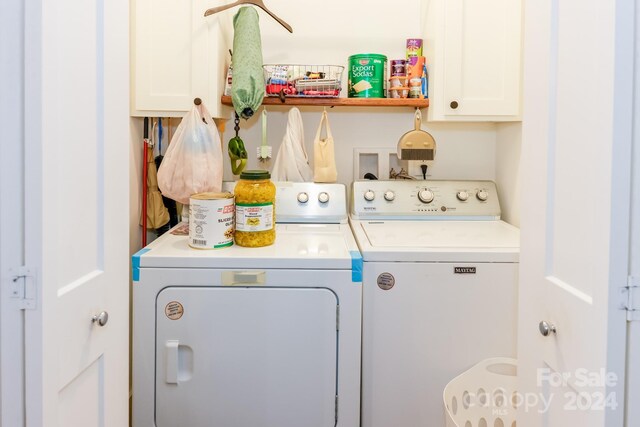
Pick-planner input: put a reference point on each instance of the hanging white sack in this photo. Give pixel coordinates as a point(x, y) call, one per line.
point(193, 161)
point(324, 160)
point(292, 161)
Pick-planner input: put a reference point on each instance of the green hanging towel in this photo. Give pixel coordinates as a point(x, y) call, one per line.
point(247, 89)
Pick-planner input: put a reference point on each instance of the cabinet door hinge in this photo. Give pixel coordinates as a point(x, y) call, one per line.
point(631, 298)
point(23, 287)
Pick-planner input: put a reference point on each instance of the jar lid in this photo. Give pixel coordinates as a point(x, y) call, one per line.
point(255, 175)
point(368, 55)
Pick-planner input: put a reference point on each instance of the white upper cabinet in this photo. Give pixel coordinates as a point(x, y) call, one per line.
point(473, 51)
point(178, 55)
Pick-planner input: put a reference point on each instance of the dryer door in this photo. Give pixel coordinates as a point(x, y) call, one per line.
point(246, 357)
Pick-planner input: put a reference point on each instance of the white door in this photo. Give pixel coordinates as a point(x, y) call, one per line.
point(575, 233)
point(633, 374)
point(76, 209)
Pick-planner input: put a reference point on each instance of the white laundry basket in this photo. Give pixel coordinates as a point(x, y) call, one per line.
point(483, 396)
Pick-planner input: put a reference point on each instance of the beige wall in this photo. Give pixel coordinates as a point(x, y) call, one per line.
point(464, 150)
point(508, 144)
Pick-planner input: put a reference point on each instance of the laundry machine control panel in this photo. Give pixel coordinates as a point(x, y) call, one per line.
point(307, 202)
point(413, 199)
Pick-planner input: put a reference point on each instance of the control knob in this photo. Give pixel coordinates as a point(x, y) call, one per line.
point(369, 195)
point(303, 197)
point(482, 195)
point(323, 197)
point(389, 196)
point(426, 195)
point(462, 195)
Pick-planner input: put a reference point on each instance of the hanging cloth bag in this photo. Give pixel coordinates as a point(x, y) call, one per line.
point(324, 160)
point(247, 86)
point(292, 162)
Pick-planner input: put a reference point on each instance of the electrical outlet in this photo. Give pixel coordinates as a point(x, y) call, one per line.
point(415, 170)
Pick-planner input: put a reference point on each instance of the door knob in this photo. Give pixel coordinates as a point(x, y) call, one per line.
point(101, 319)
point(454, 105)
point(546, 328)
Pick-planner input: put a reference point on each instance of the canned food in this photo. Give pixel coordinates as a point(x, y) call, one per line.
point(211, 220)
point(398, 67)
point(414, 47)
point(415, 88)
point(367, 76)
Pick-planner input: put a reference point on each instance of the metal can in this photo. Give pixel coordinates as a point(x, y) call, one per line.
point(414, 47)
point(415, 88)
point(367, 76)
point(211, 220)
point(255, 209)
point(398, 67)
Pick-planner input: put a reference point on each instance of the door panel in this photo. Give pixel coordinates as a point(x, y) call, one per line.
point(240, 357)
point(77, 136)
point(574, 235)
point(427, 329)
point(482, 57)
point(78, 403)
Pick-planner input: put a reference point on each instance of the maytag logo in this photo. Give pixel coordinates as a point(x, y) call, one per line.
point(464, 270)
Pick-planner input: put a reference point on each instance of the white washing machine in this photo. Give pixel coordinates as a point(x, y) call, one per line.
point(439, 292)
point(248, 337)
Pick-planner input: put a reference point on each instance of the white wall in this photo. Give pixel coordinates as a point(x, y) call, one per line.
point(508, 144)
point(464, 151)
point(329, 34)
point(135, 178)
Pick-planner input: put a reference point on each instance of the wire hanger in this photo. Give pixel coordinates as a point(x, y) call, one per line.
point(258, 3)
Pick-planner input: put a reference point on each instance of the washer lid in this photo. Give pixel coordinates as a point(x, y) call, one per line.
point(481, 241)
point(297, 246)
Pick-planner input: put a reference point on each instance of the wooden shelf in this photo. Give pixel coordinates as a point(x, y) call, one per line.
point(341, 102)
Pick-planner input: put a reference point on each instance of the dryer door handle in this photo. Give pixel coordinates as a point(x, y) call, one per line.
point(172, 361)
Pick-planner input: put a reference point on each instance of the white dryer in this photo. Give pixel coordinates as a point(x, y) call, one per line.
point(439, 292)
point(247, 337)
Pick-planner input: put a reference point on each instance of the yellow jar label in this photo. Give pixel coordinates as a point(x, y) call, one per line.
point(254, 217)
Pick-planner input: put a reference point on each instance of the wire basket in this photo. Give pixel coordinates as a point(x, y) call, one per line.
point(294, 80)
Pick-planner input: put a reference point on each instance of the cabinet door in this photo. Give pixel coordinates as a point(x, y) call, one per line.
point(482, 45)
point(177, 55)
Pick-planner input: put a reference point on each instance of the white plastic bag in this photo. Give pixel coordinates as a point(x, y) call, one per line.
point(193, 161)
point(292, 162)
point(324, 161)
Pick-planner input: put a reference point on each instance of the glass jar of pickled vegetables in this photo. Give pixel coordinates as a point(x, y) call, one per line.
point(255, 209)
